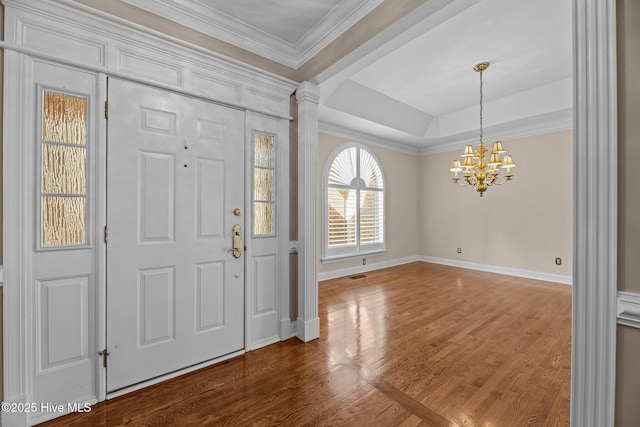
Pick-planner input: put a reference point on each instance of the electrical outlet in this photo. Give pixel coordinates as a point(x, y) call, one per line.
point(558, 261)
point(364, 261)
point(459, 250)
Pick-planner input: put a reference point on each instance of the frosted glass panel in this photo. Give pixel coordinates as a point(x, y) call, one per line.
point(63, 221)
point(63, 169)
point(64, 118)
point(264, 150)
point(264, 184)
point(263, 218)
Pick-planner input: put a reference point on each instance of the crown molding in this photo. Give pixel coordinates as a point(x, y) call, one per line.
point(554, 121)
point(210, 21)
point(365, 138)
point(536, 125)
point(339, 20)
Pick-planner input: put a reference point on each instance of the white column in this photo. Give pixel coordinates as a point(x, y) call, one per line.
point(308, 324)
point(595, 237)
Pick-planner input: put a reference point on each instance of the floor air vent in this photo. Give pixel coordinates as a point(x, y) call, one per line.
point(357, 276)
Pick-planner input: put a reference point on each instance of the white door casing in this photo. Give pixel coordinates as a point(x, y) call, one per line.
point(175, 175)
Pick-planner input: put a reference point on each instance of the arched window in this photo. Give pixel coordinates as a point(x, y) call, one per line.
point(353, 204)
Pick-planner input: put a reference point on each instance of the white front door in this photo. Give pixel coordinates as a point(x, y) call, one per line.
point(175, 290)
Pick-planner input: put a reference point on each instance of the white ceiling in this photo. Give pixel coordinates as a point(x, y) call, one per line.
point(412, 87)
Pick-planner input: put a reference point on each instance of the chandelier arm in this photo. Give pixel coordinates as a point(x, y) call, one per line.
point(506, 179)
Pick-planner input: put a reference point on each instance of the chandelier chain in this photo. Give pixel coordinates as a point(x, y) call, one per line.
point(480, 106)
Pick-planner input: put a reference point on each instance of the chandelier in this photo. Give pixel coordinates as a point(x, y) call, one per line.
point(477, 173)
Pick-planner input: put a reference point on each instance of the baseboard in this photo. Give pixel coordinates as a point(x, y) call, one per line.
point(557, 278)
point(629, 309)
point(350, 271)
point(289, 329)
point(308, 330)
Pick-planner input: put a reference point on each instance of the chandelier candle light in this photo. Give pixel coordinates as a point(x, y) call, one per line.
point(477, 173)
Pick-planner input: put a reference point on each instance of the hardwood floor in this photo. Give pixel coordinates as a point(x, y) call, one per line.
point(414, 345)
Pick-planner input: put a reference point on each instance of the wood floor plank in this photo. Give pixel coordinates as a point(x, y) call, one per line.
point(414, 345)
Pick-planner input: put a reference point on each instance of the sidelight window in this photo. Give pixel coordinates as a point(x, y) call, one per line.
point(264, 185)
point(63, 170)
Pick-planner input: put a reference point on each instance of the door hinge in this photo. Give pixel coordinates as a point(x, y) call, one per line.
point(104, 354)
point(105, 234)
point(106, 109)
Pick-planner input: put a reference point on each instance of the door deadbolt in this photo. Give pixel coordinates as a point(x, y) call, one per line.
point(237, 212)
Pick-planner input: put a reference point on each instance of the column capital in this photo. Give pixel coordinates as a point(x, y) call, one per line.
point(308, 91)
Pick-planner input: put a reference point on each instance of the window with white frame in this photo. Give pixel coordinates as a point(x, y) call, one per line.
point(353, 204)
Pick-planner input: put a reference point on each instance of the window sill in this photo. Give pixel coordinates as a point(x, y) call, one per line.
point(338, 258)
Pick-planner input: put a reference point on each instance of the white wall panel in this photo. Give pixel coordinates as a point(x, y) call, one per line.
point(67, 43)
point(264, 284)
point(217, 86)
point(147, 67)
point(63, 312)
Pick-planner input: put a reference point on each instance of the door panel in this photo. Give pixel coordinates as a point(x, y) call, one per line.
point(175, 294)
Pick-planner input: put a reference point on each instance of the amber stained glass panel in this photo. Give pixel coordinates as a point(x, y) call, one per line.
point(264, 184)
point(64, 118)
point(63, 221)
point(63, 169)
point(264, 150)
point(263, 218)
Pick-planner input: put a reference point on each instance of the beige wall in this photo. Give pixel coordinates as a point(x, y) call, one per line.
point(628, 346)
point(524, 224)
point(401, 204)
point(628, 144)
